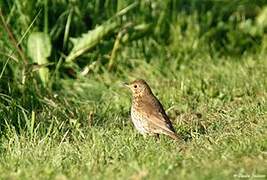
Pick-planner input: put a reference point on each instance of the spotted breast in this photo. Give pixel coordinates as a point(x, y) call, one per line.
point(139, 123)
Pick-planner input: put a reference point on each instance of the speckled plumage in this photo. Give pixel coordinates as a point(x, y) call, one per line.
point(147, 113)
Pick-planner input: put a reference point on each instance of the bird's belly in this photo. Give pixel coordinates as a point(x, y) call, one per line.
point(139, 122)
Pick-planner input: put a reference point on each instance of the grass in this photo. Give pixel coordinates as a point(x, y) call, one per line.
point(207, 65)
point(84, 131)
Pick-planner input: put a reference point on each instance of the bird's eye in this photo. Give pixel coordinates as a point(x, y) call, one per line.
point(135, 86)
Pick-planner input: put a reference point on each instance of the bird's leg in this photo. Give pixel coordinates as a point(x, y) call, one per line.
point(145, 136)
point(156, 137)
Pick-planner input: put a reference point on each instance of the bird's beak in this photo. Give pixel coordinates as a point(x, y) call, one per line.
point(125, 84)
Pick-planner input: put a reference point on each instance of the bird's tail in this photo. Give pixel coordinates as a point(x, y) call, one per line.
point(175, 136)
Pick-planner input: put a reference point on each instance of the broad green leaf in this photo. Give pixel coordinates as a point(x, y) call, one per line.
point(39, 49)
point(90, 40)
point(94, 37)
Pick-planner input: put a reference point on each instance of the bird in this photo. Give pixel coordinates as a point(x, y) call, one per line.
point(147, 113)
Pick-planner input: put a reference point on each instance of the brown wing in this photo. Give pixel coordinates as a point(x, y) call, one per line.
point(156, 115)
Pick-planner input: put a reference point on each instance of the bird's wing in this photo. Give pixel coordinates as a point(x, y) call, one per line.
point(156, 115)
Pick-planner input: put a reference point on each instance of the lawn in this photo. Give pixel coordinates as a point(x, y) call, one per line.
point(79, 127)
point(85, 132)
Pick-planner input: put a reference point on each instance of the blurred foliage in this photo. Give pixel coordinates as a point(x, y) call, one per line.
point(99, 32)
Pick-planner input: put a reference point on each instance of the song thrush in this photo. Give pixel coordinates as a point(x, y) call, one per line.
point(147, 113)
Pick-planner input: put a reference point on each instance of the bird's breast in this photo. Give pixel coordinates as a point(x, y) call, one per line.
point(139, 121)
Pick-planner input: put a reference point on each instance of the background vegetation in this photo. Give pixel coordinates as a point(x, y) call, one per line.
point(64, 114)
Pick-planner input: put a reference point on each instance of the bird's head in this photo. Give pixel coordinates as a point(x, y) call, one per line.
point(138, 87)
